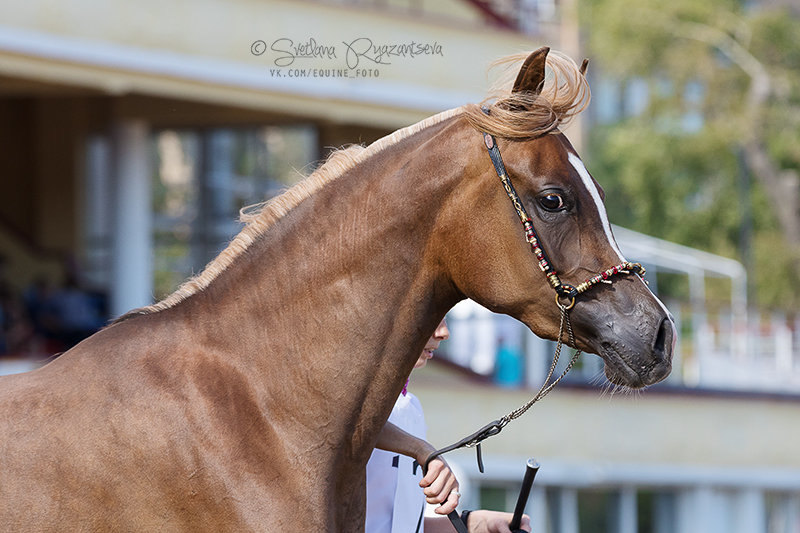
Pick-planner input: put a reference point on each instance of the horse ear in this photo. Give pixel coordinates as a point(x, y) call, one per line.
point(531, 75)
point(584, 65)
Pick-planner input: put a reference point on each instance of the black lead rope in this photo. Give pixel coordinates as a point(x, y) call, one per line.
point(475, 439)
point(459, 524)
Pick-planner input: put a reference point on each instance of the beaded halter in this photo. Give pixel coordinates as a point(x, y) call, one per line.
point(563, 290)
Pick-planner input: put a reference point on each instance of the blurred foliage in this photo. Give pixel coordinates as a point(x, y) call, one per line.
point(672, 168)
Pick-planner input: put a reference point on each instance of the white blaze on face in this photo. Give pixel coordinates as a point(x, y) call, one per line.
point(591, 186)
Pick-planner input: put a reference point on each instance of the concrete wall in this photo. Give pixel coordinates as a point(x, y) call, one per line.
point(647, 428)
point(719, 463)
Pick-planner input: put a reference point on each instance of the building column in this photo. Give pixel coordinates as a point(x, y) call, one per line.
point(97, 213)
point(751, 512)
point(568, 511)
point(699, 511)
point(537, 509)
point(627, 510)
point(132, 248)
point(793, 513)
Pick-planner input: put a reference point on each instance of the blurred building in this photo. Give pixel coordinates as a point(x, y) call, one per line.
point(132, 134)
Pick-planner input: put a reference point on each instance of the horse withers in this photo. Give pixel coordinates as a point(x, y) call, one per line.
point(254, 394)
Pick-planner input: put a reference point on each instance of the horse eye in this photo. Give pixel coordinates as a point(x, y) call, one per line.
point(552, 202)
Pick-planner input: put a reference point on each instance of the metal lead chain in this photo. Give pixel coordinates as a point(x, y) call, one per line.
point(493, 428)
point(547, 386)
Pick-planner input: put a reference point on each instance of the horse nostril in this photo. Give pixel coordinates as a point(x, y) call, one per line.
point(664, 339)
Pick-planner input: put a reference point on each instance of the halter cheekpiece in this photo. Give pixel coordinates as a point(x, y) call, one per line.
point(563, 290)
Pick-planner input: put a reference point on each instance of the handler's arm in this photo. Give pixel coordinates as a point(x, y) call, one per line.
point(394, 439)
point(439, 484)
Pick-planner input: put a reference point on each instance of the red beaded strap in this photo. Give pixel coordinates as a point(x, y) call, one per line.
point(623, 268)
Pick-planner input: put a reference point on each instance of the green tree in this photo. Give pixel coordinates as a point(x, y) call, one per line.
point(723, 88)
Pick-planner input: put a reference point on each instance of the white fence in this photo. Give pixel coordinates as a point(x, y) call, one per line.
point(757, 353)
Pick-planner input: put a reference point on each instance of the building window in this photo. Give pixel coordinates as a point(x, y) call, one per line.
point(175, 197)
point(782, 512)
point(202, 178)
point(598, 510)
point(656, 511)
point(493, 498)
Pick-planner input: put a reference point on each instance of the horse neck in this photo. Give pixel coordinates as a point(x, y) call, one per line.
point(334, 303)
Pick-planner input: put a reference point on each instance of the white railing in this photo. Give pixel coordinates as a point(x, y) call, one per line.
point(755, 353)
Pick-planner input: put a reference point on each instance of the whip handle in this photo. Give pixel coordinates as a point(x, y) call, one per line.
point(532, 467)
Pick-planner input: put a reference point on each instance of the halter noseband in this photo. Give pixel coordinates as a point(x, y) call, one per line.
point(563, 290)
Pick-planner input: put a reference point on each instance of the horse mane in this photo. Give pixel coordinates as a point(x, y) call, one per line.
point(526, 115)
point(512, 116)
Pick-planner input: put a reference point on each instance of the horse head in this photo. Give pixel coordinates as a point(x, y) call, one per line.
point(620, 319)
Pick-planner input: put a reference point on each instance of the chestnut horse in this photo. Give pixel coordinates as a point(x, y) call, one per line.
point(250, 399)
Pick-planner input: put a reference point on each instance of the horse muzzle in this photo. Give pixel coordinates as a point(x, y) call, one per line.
point(639, 356)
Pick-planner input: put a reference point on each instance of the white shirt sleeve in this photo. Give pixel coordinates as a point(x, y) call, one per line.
point(395, 501)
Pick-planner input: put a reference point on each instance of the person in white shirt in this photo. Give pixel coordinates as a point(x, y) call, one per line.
point(396, 490)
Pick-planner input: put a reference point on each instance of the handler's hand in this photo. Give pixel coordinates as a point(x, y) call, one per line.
point(440, 486)
point(494, 522)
